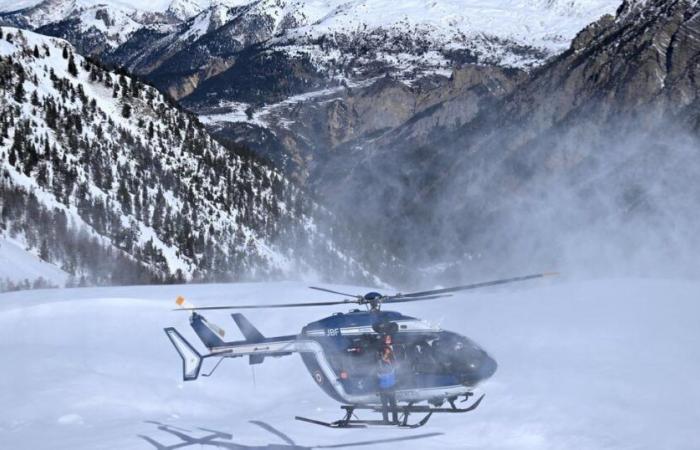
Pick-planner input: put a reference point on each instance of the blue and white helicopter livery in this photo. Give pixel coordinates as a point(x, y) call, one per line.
point(432, 366)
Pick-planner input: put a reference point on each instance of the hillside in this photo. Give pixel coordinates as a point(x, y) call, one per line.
point(107, 180)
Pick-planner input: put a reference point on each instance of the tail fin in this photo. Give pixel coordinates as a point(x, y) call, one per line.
point(249, 331)
point(206, 331)
point(251, 334)
point(191, 359)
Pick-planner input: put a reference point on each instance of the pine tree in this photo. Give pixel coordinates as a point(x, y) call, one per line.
point(44, 252)
point(126, 110)
point(36, 51)
point(124, 197)
point(158, 210)
point(65, 52)
point(72, 68)
point(30, 160)
point(19, 92)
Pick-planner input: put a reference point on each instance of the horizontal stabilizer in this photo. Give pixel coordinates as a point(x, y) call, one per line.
point(249, 331)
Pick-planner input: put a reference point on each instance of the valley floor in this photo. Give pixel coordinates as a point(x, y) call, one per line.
point(582, 365)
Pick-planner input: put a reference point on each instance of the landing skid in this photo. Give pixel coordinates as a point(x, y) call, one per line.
point(350, 420)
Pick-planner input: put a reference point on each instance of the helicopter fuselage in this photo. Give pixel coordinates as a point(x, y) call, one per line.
point(431, 364)
point(341, 353)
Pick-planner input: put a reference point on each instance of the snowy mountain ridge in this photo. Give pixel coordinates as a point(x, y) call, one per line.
point(188, 8)
point(99, 161)
point(264, 53)
point(508, 32)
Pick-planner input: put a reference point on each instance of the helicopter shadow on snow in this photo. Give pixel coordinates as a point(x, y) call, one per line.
point(206, 437)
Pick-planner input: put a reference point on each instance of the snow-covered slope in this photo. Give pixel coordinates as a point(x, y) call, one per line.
point(188, 7)
point(582, 365)
point(92, 158)
point(108, 16)
point(496, 27)
point(17, 265)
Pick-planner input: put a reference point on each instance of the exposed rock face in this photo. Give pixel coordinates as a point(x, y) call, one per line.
point(645, 58)
point(312, 137)
point(584, 143)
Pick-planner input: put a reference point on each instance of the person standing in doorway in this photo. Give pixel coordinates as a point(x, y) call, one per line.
point(386, 375)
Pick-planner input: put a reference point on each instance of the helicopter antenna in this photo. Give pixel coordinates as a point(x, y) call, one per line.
point(374, 300)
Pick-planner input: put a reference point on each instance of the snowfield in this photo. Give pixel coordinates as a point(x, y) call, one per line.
point(18, 264)
point(582, 365)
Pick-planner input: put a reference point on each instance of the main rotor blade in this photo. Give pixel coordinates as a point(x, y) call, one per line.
point(474, 285)
point(334, 292)
point(413, 299)
point(279, 305)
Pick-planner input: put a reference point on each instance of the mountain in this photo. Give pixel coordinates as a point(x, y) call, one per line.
point(111, 183)
point(485, 163)
point(591, 158)
point(405, 36)
point(247, 66)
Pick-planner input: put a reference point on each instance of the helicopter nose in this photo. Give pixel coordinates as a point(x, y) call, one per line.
point(488, 367)
point(480, 369)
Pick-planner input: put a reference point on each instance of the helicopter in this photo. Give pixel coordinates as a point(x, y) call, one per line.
point(434, 367)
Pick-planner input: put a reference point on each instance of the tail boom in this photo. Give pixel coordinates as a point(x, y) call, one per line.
point(256, 346)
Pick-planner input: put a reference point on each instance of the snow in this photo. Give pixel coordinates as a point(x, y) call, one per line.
point(118, 31)
point(542, 20)
point(204, 23)
point(15, 5)
point(235, 112)
point(582, 364)
point(548, 25)
point(188, 7)
point(18, 264)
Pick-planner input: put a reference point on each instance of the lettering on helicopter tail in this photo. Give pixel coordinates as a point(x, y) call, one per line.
point(318, 377)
